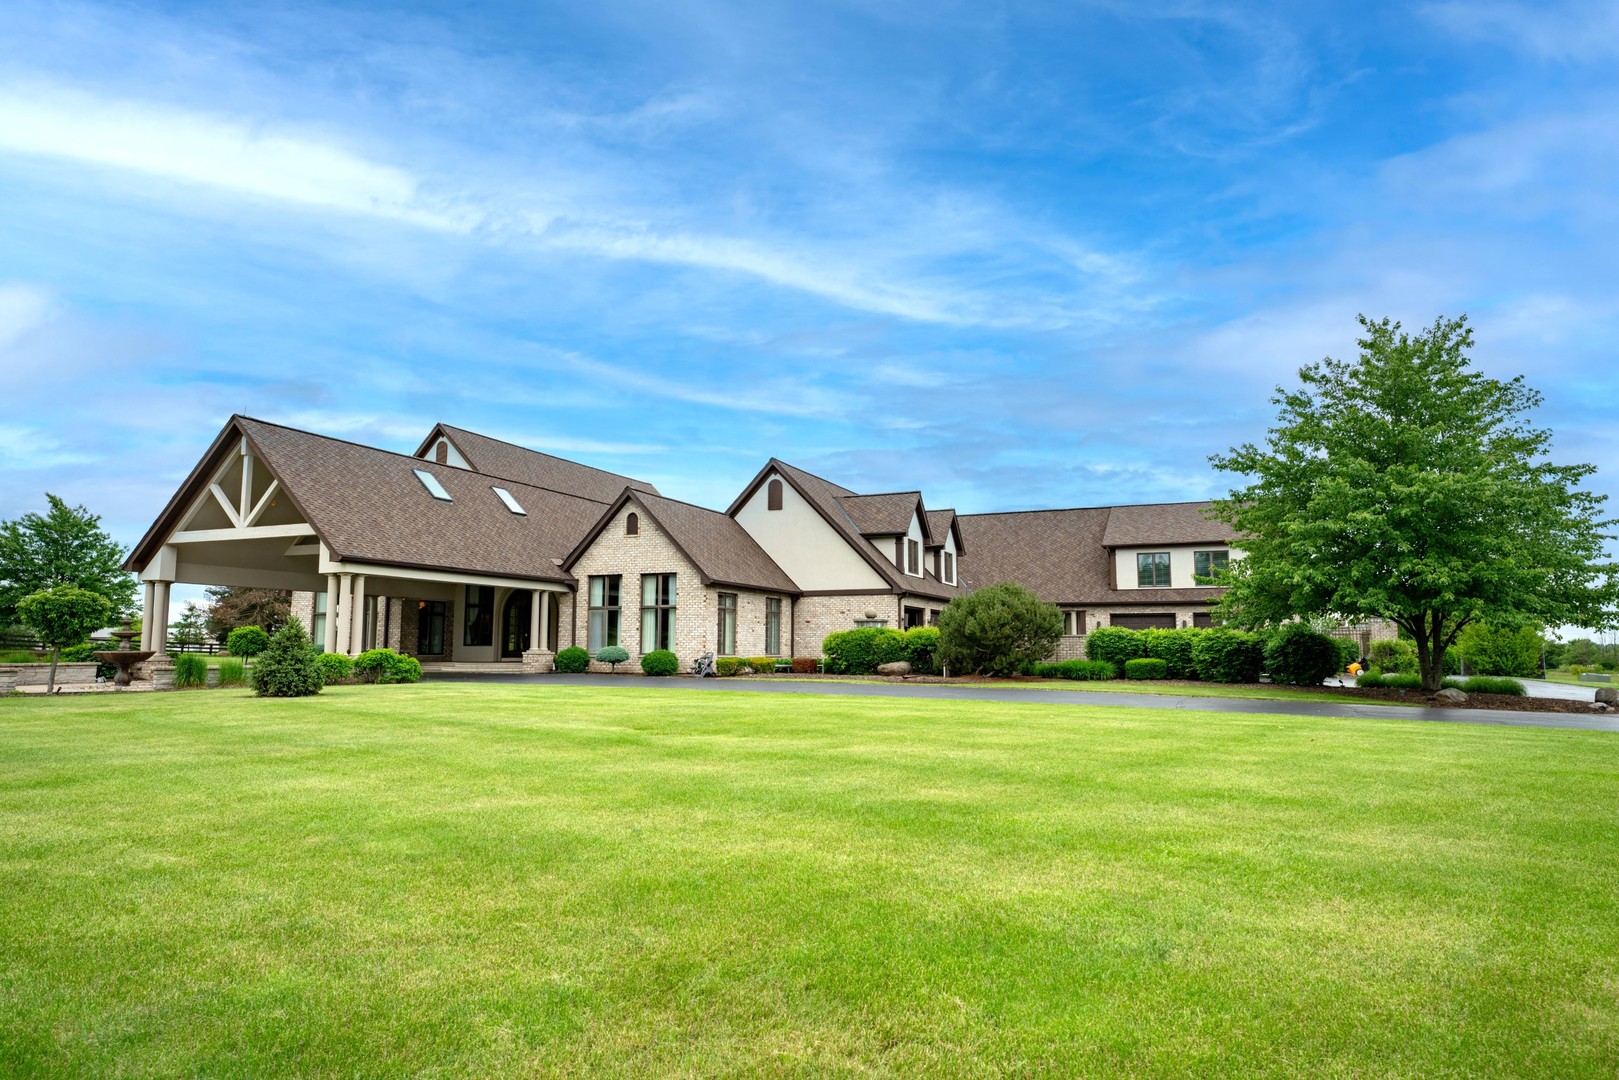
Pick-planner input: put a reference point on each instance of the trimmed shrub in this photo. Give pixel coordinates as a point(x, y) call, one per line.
point(288, 666)
point(1299, 655)
point(386, 666)
point(190, 670)
point(1078, 670)
point(233, 671)
point(1493, 684)
point(762, 665)
point(573, 660)
point(922, 649)
point(77, 654)
point(998, 629)
point(805, 665)
point(1115, 644)
point(613, 655)
point(1228, 656)
point(246, 641)
point(1489, 651)
point(659, 662)
point(726, 666)
point(334, 667)
point(859, 651)
point(1146, 667)
point(1175, 648)
point(1371, 679)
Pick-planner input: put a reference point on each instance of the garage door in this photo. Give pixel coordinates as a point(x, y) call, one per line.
point(1166, 621)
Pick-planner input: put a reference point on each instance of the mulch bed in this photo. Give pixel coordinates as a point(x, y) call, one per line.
point(1407, 697)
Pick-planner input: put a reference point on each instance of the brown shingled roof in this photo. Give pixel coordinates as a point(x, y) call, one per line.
point(1163, 523)
point(939, 524)
point(888, 514)
point(1059, 555)
point(721, 549)
point(513, 462)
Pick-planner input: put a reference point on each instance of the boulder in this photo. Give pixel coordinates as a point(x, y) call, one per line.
point(898, 667)
point(1600, 706)
point(1608, 695)
point(1450, 696)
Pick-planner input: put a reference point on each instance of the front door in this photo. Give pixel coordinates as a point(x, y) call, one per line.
point(514, 623)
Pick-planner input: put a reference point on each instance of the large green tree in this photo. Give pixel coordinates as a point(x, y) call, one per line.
point(63, 546)
point(232, 606)
point(1407, 485)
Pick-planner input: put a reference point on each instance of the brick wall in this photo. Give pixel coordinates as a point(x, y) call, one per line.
point(814, 617)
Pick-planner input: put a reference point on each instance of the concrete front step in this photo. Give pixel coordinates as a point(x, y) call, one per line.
point(507, 667)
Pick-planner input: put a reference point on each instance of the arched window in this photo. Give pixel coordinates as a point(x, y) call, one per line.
point(441, 452)
point(632, 525)
point(773, 490)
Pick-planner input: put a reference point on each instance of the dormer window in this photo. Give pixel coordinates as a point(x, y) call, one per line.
point(948, 576)
point(632, 525)
point(1152, 570)
point(430, 482)
point(913, 558)
point(773, 495)
point(511, 503)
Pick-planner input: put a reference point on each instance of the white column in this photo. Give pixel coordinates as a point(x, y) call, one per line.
point(534, 641)
point(329, 631)
point(357, 617)
point(146, 617)
point(345, 611)
point(160, 621)
point(547, 600)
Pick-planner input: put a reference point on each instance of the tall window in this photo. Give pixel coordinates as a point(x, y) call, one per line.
point(1152, 570)
point(430, 627)
point(913, 558)
point(632, 525)
point(657, 612)
point(949, 577)
point(773, 495)
point(1210, 563)
point(604, 612)
point(914, 617)
point(317, 624)
point(773, 626)
point(479, 615)
point(727, 627)
point(1073, 623)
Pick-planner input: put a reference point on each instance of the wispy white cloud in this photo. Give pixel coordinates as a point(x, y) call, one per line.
point(22, 308)
point(1581, 30)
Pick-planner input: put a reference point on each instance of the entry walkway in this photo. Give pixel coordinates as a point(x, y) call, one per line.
point(1038, 696)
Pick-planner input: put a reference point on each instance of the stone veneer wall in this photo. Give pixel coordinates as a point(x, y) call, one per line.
point(696, 605)
point(39, 674)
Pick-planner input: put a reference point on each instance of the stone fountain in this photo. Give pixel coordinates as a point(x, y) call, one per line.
point(123, 658)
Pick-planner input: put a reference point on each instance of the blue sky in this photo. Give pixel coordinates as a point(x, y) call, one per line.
point(1016, 254)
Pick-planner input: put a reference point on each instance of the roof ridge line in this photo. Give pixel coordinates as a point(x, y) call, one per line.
point(541, 453)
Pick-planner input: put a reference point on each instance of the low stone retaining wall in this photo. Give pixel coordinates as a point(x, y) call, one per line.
point(39, 674)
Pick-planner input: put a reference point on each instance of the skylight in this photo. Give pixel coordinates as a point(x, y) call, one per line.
point(430, 482)
point(511, 503)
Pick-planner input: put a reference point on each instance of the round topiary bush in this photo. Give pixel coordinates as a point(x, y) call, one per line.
point(334, 667)
point(1228, 656)
point(386, 666)
point(247, 641)
point(1115, 644)
point(288, 666)
point(1146, 667)
point(613, 655)
point(1299, 655)
point(660, 662)
point(573, 660)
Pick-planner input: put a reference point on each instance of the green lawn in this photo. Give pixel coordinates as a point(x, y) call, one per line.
point(457, 879)
point(1146, 686)
point(1570, 679)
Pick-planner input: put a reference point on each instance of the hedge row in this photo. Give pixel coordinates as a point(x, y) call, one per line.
point(860, 652)
point(1296, 654)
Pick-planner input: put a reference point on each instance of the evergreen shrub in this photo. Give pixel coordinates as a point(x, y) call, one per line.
point(1146, 667)
point(726, 666)
point(1228, 656)
point(659, 662)
point(288, 666)
point(1115, 644)
point(762, 665)
point(1299, 655)
point(613, 655)
point(998, 629)
point(573, 660)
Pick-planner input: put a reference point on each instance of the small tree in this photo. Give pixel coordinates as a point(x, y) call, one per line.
point(247, 641)
point(64, 546)
point(232, 606)
point(1491, 651)
point(1407, 486)
point(288, 666)
point(61, 617)
point(190, 628)
point(613, 655)
point(998, 629)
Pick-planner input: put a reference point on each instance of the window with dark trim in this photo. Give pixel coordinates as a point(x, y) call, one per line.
point(1073, 623)
point(914, 617)
point(657, 612)
point(727, 624)
point(317, 622)
point(479, 615)
point(773, 495)
point(913, 558)
point(1152, 570)
point(1206, 564)
point(949, 575)
point(430, 626)
point(602, 628)
point(933, 616)
point(772, 626)
point(632, 525)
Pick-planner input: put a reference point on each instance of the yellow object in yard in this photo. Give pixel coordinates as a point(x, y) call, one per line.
point(1354, 669)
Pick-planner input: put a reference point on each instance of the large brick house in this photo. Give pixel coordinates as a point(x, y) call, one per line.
point(473, 552)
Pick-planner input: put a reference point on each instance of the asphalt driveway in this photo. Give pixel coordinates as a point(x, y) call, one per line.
point(1031, 695)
